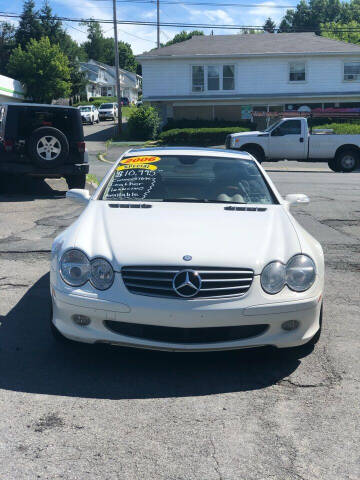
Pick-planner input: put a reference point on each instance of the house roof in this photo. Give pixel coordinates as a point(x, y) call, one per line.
point(257, 44)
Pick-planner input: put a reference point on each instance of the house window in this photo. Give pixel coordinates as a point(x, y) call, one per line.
point(218, 77)
point(213, 76)
point(197, 78)
point(228, 77)
point(352, 72)
point(297, 72)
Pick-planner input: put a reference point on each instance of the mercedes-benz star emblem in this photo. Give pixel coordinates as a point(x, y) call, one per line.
point(187, 258)
point(187, 283)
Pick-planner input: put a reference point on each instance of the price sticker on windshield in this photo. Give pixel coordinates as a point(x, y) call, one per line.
point(141, 166)
point(140, 160)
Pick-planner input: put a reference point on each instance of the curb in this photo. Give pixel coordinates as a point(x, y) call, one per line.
point(103, 159)
point(297, 170)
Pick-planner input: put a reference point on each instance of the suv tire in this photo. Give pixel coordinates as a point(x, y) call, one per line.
point(76, 181)
point(48, 147)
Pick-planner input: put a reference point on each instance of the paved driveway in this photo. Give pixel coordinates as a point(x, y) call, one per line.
point(81, 412)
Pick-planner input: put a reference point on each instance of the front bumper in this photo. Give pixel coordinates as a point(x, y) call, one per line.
point(184, 314)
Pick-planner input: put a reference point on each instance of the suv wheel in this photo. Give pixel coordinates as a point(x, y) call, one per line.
point(48, 147)
point(76, 181)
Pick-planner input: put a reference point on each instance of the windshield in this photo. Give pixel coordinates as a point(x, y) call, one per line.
point(106, 105)
point(173, 178)
point(85, 109)
point(273, 125)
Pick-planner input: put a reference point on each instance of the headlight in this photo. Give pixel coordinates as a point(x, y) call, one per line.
point(300, 273)
point(75, 268)
point(102, 274)
point(273, 277)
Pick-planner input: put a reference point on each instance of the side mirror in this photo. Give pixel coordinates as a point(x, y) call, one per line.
point(297, 199)
point(78, 195)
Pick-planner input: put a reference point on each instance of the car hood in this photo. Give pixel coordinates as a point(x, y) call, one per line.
point(246, 134)
point(163, 234)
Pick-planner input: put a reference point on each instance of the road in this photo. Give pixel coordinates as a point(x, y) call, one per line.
point(82, 412)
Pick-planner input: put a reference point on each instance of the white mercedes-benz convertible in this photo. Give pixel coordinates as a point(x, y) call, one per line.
point(187, 249)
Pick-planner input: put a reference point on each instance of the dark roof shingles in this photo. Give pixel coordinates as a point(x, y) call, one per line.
point(259, 44)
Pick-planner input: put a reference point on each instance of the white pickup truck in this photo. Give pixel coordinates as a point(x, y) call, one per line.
point(291, 139)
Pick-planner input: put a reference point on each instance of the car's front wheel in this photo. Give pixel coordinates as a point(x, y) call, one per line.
point(76, 181)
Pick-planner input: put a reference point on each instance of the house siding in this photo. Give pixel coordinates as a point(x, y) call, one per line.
point(167, 78)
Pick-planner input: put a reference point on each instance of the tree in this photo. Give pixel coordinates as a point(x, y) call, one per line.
point(94, 46)
point(182, 36)
point(127, 59)
point(269, 26)
point(7, 44)
point(101, 49)
point(29, 25)
point(43, 68)
point(308, 16)
point(346, 32)
point(50, 26)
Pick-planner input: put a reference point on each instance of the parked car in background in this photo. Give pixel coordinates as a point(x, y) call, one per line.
point(43, 141)
point(125, 101)
point(291, 139)
point(89, 114)
point(224, 264)
point(108, 111)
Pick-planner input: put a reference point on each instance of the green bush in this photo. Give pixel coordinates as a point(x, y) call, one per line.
point(97, 101)
point(143, 123)
point(203, 137)
point(341, 128)
point(198, 123)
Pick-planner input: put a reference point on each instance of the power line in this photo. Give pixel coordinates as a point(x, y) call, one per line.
point(217, 4)
point(185, 25)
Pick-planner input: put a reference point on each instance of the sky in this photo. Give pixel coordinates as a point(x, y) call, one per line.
point(143, 38)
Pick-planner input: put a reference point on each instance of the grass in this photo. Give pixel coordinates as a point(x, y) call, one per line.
point(91, 178)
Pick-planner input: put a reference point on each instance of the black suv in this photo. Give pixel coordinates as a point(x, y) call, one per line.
point(44, 141)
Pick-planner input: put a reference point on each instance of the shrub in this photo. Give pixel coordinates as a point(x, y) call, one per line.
point(342, 128)
point(198, 136)
point(143, 123)
point(198, 123)
point(97, 101)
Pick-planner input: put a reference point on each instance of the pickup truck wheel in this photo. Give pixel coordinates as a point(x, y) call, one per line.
point(255, 152)
point(347, 161)
point(48, 147)
point(332, 165)
point(76, 181)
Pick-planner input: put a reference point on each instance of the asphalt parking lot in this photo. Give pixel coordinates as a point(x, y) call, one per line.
point(80, 412)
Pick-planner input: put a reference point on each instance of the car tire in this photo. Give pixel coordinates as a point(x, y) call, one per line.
point(347, 161)
point(48, 147)
point(255, 152)
point(76, 181)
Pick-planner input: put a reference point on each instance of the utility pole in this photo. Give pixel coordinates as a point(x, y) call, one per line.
point(117, 73)
point(158, 22)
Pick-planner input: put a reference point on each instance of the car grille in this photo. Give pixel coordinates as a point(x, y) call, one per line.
point(215, 281)
point(185, 335)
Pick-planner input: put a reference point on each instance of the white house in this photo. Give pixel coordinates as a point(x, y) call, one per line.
point(102, 81)
point(11, 90)
point(229, 76)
